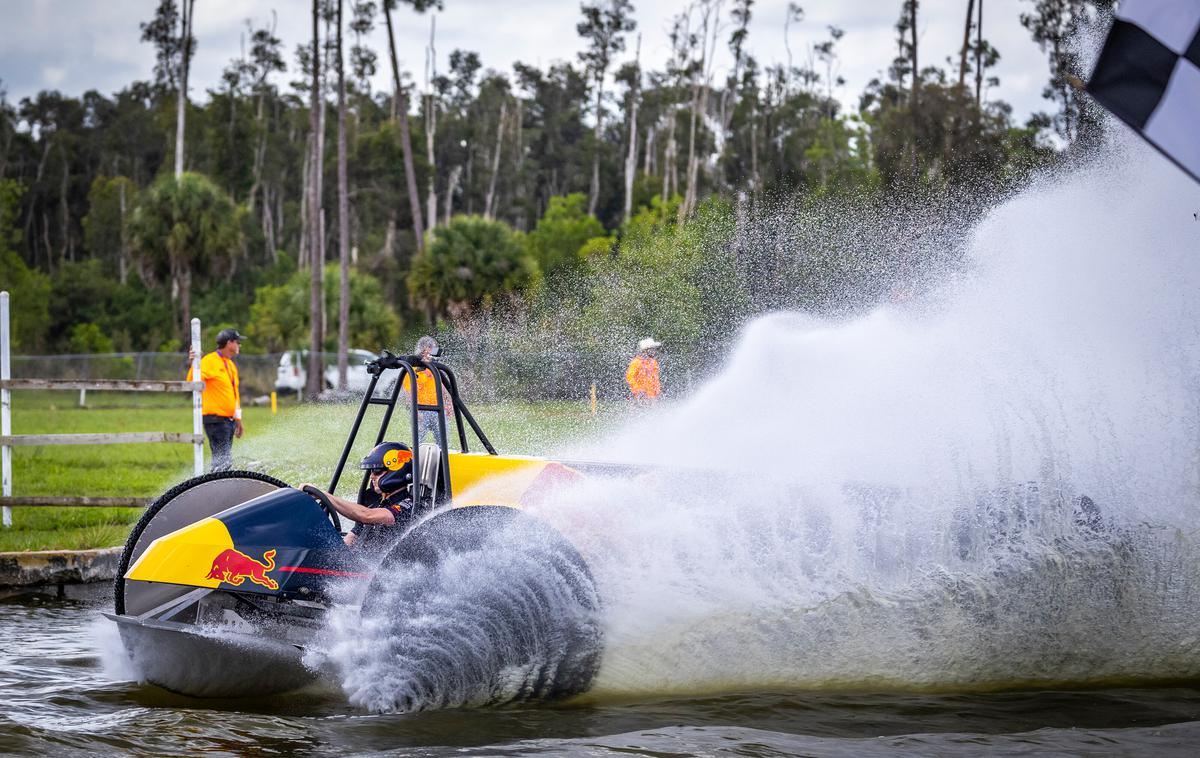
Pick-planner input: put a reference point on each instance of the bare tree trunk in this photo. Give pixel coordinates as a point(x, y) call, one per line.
point(491, 192)
point(648, 163)
point(594, 193)
point(979, 58)
point(631, 158)
point(316, 301)
point(187, 7)
point(708, 50)
point(343, 215)
point(451, 188)
point(302, 256)
point(123, 261)
point(400, 113)
point(431, 125)
point(670, 160)
point(916, 83)
point(389, 236)
point(755, 181)
point(962, 59)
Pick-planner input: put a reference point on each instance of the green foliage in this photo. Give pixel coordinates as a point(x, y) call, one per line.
point(468, 265)
point(88, 338)
point(279, 316)
point(110, 202)
point(557, 240)
point(184, 232)
point(28, 289)
point(675, 282)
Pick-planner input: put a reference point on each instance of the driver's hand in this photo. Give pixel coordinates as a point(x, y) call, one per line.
point(302, 485)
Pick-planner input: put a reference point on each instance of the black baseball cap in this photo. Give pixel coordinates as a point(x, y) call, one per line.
point(225, 335)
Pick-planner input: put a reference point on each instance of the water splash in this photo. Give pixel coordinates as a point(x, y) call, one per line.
point(992, 486)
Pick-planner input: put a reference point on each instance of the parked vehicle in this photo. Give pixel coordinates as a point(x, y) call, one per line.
point(292, 375)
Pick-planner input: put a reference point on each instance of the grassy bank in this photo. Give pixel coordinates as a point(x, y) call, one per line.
point(301, 442)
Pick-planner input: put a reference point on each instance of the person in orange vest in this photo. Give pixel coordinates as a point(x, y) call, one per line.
point(427, 421)
point(642, 374)
point(222, 397)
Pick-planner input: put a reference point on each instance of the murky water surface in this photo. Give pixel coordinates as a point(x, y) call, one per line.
point(58, 698)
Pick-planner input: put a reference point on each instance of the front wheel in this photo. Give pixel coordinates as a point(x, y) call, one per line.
point(184, 504)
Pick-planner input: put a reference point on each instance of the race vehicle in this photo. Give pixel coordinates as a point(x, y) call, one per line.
point(226, 581)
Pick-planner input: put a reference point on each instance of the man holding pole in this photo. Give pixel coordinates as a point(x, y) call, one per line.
point(222, 398)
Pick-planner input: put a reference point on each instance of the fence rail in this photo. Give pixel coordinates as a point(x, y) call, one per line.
point(116, 385)
point(8, 440)
point(76, 502)
point(116, 438)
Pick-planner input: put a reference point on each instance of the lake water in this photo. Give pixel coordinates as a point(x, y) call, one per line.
point(57, 698)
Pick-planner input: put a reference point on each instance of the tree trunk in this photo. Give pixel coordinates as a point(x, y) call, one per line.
point(979, 58)
point(431, 128)
point(343, 215)
point(303, 256)
point(670, 167)
point(916, 83)
point(451, 188)
point(316, 304)
point(400, 113)
point(962, 60)
point(123, 261)
point(594, 194)
point(631, 158)
point(187, 6)
point(491, 192)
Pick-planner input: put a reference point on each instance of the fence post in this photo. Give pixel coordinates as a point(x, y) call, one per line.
point(197, 423)
point(5, 406)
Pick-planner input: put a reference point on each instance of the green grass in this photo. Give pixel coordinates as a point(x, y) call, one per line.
point(300, 443)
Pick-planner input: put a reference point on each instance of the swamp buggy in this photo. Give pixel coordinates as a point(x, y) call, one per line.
point(227, 579)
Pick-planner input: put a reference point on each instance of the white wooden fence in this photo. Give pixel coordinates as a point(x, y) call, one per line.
point(8, 440)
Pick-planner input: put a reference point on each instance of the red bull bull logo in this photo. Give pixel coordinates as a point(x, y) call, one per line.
point(235, 567)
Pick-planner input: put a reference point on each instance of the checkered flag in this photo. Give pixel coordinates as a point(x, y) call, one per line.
point(1148, 75)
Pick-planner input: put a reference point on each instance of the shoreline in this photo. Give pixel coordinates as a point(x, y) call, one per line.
point(43, 567)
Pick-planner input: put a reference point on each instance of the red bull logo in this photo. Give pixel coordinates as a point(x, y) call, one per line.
point(235, 567)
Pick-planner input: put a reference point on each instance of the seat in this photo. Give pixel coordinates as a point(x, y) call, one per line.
point(431, 466)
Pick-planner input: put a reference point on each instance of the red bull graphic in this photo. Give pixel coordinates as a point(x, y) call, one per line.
point(235, 567)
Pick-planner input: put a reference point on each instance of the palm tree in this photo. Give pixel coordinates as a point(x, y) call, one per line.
point(184, 228)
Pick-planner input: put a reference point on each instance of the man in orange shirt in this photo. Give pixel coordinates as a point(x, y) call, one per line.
point(642, 374)
point(222, 397)
point(427, 421)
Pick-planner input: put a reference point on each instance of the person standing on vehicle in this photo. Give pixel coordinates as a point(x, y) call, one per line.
point(390, 467)
point(427, 420)
point(642, 374)
point(222, 397)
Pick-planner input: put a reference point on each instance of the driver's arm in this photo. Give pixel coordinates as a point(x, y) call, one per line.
point(355, 512)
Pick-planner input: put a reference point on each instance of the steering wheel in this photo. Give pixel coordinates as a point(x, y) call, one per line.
point(323, 500)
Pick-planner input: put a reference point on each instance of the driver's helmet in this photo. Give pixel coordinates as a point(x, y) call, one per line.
point(393, 457)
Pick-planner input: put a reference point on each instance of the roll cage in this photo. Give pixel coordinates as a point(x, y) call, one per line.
point(444, 382)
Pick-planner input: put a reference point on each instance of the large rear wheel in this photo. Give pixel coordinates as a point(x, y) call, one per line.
point(478, 605)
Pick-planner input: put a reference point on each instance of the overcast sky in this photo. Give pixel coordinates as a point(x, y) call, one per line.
point(77, 45)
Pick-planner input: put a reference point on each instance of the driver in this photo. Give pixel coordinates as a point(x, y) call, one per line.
point(379, 523)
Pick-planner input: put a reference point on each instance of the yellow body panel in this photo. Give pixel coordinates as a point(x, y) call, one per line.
point(482, 479)
point(184, 556)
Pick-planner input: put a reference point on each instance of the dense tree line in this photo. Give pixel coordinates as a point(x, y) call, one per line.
point(471, 190)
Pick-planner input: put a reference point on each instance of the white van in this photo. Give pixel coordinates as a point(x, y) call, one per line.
point(292, 374)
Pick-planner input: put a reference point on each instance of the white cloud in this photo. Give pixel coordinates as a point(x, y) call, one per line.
point(53, 76)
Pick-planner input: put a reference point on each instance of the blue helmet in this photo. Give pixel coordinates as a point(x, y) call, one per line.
point(393, 457)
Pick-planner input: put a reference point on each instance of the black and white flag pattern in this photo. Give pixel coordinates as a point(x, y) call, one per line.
point(1148, 75)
